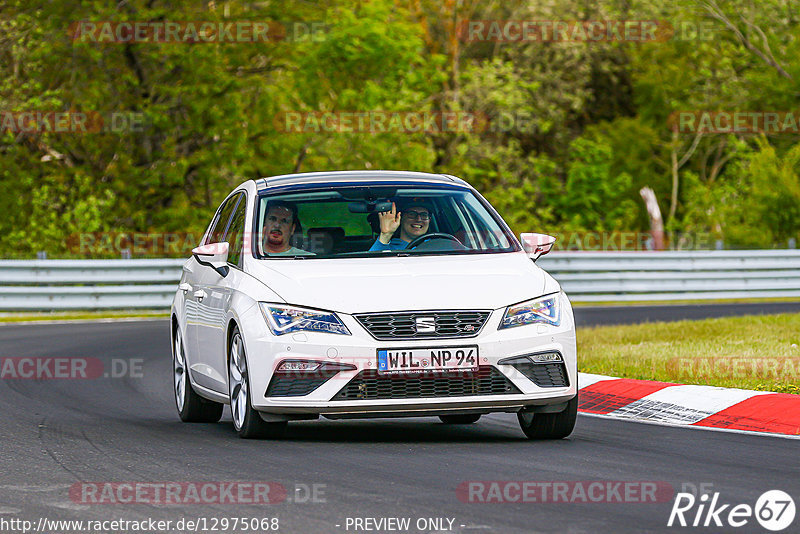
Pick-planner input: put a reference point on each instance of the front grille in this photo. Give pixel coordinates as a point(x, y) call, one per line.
point(545, 375)
point(369, 385)
point(403, 325)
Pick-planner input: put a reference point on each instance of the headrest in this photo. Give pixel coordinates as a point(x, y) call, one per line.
point(335, 232)
point(322, 240)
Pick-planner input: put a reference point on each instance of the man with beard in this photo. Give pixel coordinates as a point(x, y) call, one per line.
point(280, 224)
point(413, 222)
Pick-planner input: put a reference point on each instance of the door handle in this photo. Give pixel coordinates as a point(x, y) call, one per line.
point(200, 294)
point(185, 287)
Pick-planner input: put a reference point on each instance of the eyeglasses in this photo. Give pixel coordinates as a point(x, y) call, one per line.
point(414, 215)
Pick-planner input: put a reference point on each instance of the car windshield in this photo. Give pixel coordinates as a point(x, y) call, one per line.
point(374, 221)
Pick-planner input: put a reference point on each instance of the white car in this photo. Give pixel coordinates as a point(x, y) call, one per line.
point(370, 294)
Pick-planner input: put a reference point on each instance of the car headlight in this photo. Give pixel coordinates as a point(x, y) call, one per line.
point(287, 319)
point(542, 310)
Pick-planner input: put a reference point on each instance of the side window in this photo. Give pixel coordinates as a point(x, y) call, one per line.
point(235, 233)
point(217, 231)
point(490, 234)
point(458, 225)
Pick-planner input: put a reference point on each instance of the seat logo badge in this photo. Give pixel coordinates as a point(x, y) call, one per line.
point(425, 325)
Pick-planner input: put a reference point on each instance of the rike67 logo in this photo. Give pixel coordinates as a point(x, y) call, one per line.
point(774, 510)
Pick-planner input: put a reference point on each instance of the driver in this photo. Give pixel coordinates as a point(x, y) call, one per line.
point(280, 224)
point(413, 222)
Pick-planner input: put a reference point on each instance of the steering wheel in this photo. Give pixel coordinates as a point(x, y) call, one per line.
point(427, 237)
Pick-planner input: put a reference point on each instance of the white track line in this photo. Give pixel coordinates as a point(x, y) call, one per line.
point(689, 427)
point(679, 405)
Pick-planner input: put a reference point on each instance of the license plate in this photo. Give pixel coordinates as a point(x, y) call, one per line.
point(416, 360)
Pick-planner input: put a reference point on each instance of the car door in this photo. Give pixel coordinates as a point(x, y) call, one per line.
point(217, 291)
point(199, 314)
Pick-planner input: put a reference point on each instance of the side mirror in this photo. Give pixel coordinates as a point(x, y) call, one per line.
point(214, 255)
point(537, 245)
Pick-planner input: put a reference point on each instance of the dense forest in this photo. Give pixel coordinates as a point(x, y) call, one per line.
point(564, 127)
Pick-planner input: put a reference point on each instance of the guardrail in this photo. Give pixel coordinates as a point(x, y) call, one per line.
point(585, 276)
point(675, 275)
point(88, 284)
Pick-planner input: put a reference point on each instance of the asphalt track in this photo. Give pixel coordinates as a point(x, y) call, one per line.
point(56, 433)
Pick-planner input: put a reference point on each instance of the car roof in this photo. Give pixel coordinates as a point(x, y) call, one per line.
point(355, 177)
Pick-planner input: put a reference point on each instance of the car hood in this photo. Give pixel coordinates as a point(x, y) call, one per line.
point(358, 285)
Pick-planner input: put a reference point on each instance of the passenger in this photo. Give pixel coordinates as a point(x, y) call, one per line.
point(280, 224)
point(413, 222)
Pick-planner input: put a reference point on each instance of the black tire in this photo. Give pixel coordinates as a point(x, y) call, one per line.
point(550, 425)
point(460, 419)
point(246, 421)
point(192, 408)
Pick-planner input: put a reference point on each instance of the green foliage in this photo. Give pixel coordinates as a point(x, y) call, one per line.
point(594, 197)
point(575, 129)
point(529, 206)
point(767, 199)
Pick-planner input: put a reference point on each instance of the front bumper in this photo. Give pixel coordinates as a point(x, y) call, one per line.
point(266, 351)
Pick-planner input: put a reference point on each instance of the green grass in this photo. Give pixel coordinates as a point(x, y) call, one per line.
point(10, 317)
point(753, 352)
